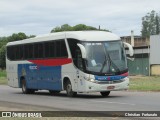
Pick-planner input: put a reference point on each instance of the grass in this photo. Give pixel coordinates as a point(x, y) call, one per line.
point(2, 73)
point(145, 83)
point(3, 78)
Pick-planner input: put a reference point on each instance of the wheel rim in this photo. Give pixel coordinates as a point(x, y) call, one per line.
point(69, 89)
point(23, 87)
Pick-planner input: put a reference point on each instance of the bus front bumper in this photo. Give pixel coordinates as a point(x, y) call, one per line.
point(99, 87)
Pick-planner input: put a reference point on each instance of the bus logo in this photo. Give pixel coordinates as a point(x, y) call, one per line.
point(33, 67)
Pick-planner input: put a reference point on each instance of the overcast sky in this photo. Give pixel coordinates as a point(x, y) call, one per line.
point(35, 17)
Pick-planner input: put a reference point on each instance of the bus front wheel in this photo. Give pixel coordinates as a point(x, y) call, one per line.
point(105, 94)
point(69, 91)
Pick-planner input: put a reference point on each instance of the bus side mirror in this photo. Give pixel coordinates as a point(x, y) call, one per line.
point(83, 50)
point(130, 48)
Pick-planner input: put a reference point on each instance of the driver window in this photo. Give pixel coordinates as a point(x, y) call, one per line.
point(79, 63)
point(76, 53)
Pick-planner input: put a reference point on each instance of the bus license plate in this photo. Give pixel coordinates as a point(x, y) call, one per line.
point(110, 87)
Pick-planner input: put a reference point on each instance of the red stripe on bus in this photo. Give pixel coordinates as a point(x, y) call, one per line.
point(52, 62)
point(125, 74)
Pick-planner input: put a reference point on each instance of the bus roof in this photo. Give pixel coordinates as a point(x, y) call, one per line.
point(80, 35)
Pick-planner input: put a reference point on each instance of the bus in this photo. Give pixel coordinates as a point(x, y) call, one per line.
point(75, 62)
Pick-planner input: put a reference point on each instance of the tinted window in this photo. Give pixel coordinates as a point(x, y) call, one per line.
point(61, 50)
point(21, 52)
point(10, 52)
point(38, 50)
point(76, 53)
point(55, 49)
point(28, 51)
point(15, 52)
point(18, 51)
point(49, 48)
point(58, 49)
point(73, 46)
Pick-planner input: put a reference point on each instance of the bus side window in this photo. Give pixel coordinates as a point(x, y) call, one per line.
point(61, 50)
point(49, 49)
point(10, 52)
point(38, 50)
point(30, 51)
point(21, 53)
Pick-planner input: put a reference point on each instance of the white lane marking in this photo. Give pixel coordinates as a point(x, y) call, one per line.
point(114, 102)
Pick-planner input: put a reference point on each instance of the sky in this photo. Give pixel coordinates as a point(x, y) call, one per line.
point(35, 17)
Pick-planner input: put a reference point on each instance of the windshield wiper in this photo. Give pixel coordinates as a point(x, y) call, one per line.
point(114, 65)
point(108, 58)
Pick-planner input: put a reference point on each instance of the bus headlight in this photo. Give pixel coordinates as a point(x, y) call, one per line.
point(92, 80)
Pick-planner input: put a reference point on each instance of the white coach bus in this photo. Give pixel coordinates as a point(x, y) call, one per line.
point(77, 61)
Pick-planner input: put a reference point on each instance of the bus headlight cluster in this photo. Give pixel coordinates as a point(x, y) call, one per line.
point(91, 80)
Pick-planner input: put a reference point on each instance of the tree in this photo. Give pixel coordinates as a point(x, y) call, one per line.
point(157, 22)
point(31, 36)
point(78, 27)
point(5, 40)
point(150, 24)
point(3, 57)
point(64, 27)
point(16, 37)
point(83, 27)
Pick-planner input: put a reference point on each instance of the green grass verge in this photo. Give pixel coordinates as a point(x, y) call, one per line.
point(3, 73)
point(145, 83)
point(3, 78)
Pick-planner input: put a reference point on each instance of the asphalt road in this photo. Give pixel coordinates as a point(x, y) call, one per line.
point(117, 101)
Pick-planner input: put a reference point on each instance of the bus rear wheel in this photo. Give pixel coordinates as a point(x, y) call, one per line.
point(105, 94)
point(69, 91)
point(25, 90)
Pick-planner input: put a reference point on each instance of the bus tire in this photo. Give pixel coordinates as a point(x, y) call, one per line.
point(25, 90)
point(54, 92)
point(69, 91)
point(105, 94)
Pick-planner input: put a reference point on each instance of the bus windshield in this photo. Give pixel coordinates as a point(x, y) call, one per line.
point(105, 57)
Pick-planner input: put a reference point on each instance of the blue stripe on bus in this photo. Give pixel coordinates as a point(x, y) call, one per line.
point(110, 78)
point(41, 77)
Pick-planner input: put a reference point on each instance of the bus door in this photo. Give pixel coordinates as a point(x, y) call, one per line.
point(79, 73)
